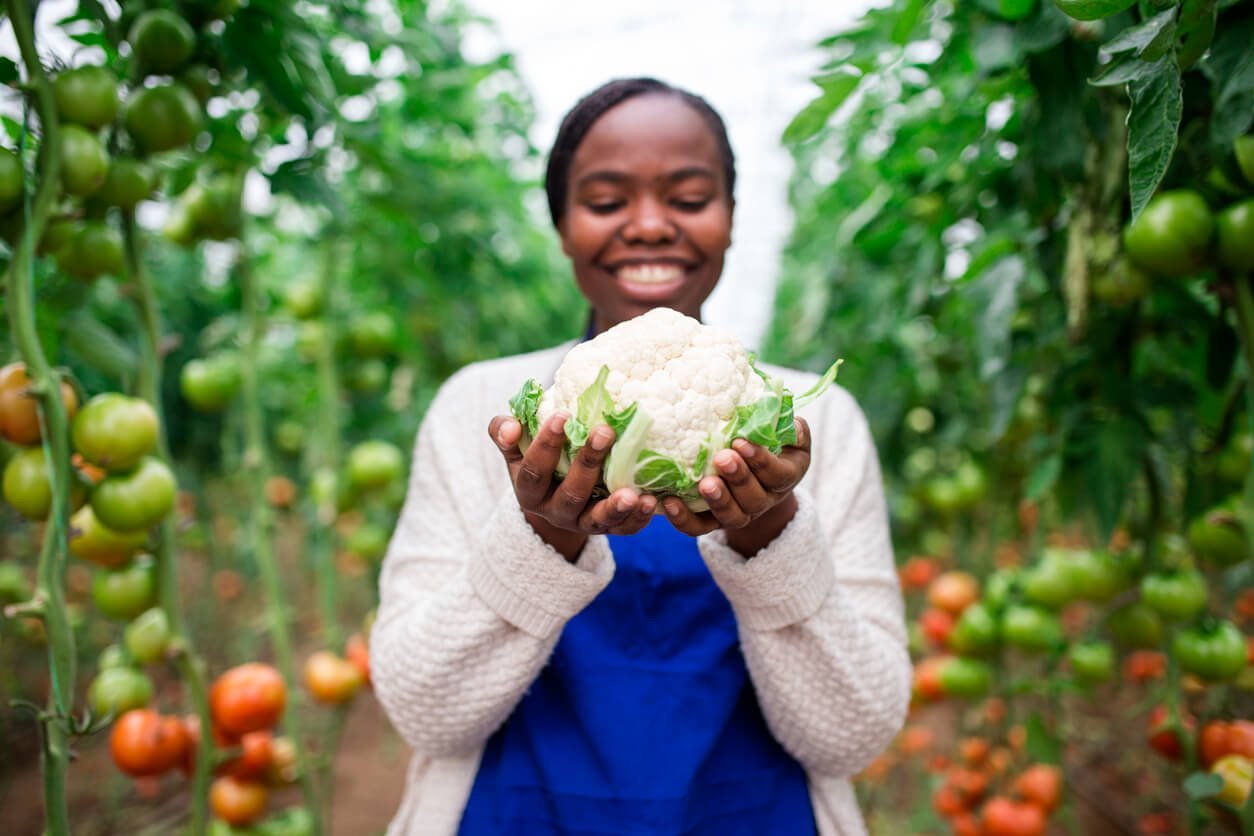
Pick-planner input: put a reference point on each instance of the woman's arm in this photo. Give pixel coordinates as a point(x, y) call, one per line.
point(820, 610)
point(472, 601)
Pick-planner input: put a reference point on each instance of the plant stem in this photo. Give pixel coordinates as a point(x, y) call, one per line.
point(47, 387)
point(325, 453)
point(1245, 322)
point(256, 466)
point(191, 667)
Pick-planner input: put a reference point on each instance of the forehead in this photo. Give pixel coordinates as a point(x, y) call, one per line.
point(646, 132)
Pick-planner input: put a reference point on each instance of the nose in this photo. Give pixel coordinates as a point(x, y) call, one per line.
point(649, 223)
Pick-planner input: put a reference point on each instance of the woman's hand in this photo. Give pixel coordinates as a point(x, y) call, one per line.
point(564, 511)
point(752, 497)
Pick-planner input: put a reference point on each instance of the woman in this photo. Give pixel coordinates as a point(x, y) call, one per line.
point(742, 664)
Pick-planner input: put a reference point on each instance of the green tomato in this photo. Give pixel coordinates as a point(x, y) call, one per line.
point(113, 656)
point(118, 690)
point(162, 41)
point(137, 499)
point(374, 464)
point(965, 678)
point(1001, 588)
point(26, 484)
point(1015, 9)
point(368, 541)
point(86, 96)
point(368, 376)
point(1122, 284)
point(1243, 150)
point(162, 118)
point(115, 431)
point(942, 495)
point(1031, 629)
point(1135, 626)
point(13, 584)
point(309, 338)
point(1219, 536)
point(95, 249)
point(215, 208)
point(1232, 464)
point(1235, 229)
point(1092, 662)
point(1049, 582)
point(1171, 237)
point(1097, 576)
point(129, 182)
point(303, 298)
point(93, 541)
point(203, 11)
point(975, 632)
point(372, 334)
point(1176, 595)
point(122, 594)
point(12, 180)
point(147, 637)
point(289, 437)
point(209, 385)
point(1213, 650)
point(971, 483)
point(84, 161)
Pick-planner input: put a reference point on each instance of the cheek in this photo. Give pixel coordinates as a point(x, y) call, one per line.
point(585, 236)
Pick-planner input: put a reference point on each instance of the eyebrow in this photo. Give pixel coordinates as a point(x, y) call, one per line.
point(612, 176)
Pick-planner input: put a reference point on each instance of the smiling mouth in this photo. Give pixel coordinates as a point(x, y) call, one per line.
point(656, 273)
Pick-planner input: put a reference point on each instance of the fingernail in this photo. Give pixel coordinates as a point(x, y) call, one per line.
point(747, 450)
point(672, 508)
point(624, 504)
point(726, 462)
point(600, 440)
point(648, 506)
point(557, 422)
point(713, 491)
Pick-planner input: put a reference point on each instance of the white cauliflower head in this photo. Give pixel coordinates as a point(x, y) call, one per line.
point(675, 391)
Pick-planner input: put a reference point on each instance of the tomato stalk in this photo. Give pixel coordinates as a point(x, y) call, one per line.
point(1245, 322)
point(191, 667)
point(49, 586)
point(256, 465)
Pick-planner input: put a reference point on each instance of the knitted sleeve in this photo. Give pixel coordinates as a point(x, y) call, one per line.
point(820, 612)
point(472, 601)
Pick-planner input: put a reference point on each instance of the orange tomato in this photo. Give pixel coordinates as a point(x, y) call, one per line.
point(144, 743)
point(953, 591)
point(915, 739)
point(1002, 816)
point(918, 572)
point(1040, 784)
point(1219, 738)
point(330, 679)
point(358, 653)
point(19, 416)
point(927, 682)
point(247, 698)
point(947, 801)
point(1144, 665)
point(236, 801)
point(966, 824)
point(969, 784)
point(973, 750)
point(256, 753)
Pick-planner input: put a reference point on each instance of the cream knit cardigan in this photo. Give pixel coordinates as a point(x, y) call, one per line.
point(473, 602)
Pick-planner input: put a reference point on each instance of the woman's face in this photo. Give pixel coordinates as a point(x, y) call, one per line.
point(648, 216)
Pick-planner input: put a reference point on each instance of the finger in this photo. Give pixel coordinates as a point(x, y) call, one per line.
point(747, 492)
point(608, 514)
point(533, 475)
point(506, 432)
point(722, 504)
point(778, 473)
point(571, 497)
point(639, 517)
point(687, 521)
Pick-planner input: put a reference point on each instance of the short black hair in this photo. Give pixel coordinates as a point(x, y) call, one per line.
point(590, 108)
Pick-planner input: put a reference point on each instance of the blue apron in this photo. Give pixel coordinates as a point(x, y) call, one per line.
point(644, 721)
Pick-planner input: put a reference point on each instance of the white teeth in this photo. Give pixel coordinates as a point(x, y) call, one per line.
point(650, 273)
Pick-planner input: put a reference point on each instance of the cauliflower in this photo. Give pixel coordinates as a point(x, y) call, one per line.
point(675, 392)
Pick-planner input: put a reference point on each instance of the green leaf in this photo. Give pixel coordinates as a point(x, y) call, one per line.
point(1109, 454)
point(1042, 745)
point(1043, 477)
point(1093, 9)
point(1123, 69)
point(1046, 30)
point(907, 19)
point(1195, 31)
point(836, 87)
point(1202, 785)
point(820, 386)
point(1149, 39)
point(525, 404)
point(1153, 126)
point(590, 407)
point(1230, 68)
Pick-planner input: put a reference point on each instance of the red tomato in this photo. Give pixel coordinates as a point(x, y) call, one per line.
point(927, 681)
point(918, 572)
point(915, 739)
point(254, 759)
point(1219, 738)
point(1144, 665)
point(966, 824)
point(936, 625)
point(330, 679)
point(358, 653)
point(1003, 817)
point(947, 801)
point(973, 750)
point(145, 743)
point(19, 418)
point(247, 698)
point(1164, 740)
